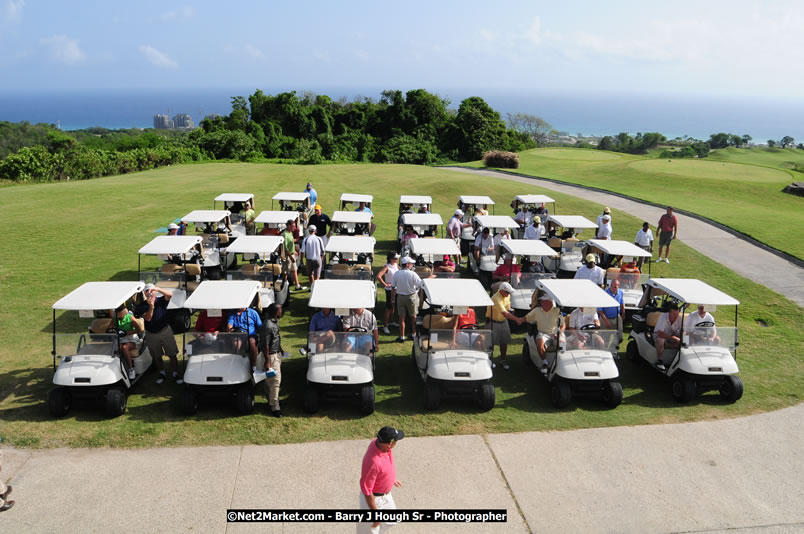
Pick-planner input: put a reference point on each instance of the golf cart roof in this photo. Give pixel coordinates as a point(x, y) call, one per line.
point(223, 295)
point(576, 293)
point(456, 292)
point(692, 290)
point(360, 217)
point(205, 216)
point(293, 197)
point(534, 199)
point(255, 244)
point(342, 294)
point(527, 247)
point(171, 244)
point(475, 200)
point(234, 197)
point(415, 199)
point(352, 197)
point(618, 248)
point(572, 221)
point(99, 296)
point(433, 246)
point(422, 219)
point(496, 221)
point(276, 217)
point(347, 243)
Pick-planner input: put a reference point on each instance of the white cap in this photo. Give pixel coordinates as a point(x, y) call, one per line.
point(406, 260)
point(508, 288)
point(458, 212)
point(173, 226)
point(312, 228)
point(148, 287)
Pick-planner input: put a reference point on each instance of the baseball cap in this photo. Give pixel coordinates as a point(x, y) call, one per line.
point(537, 219)
point(318, 207)
point(395, 255)
point(605, 218)
point(312, 228)
point(309, 184)
point(458, 212)
point(590, 257)
point(606, 210)
point(173, 226)
point(387, 434)
point(406, 260)
point(508, 288)
point(148, 287)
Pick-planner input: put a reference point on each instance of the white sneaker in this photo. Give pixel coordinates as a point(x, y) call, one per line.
point(659, 260)
point(132, 374)
point(162, 377)
point(177, 379)
point(385, 330)
point(667, 261)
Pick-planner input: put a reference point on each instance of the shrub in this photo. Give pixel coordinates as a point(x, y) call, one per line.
point(503, 160)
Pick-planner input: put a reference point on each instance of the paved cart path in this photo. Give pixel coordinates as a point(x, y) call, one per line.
point(740, 475)
point(738, 254)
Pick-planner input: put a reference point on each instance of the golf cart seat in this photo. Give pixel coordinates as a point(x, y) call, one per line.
point(341, 268)
point(423, 271)
point(223, 239)
point(554, 243)
point(100, 326)
point(361, 267)
point(250, 268)
point(612, 271)
point(652, 318)
point(169, 268)
point(435, 322)
point(275, 268)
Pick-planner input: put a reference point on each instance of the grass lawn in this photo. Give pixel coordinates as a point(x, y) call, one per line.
point(91, 230)
point(741, 188)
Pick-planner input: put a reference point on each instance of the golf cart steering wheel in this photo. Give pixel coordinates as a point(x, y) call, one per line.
point(356, 329)
point(705, 324)
point(469, 327)
point(589, 327)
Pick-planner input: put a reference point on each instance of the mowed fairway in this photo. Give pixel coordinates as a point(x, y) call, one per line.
point(739, 188)
point(70, 233)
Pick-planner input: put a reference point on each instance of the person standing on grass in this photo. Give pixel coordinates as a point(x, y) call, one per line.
point(158, 334)
point(406, 284)
point(378, 478)
point(606, 212)
point(312, 192)
point(644, 240)
point(322, 223)
point(289, 244)
point(271, 346)
point(667, 230)
point(386, 278)
point(248, 219)
point(455, 228)
point(313, 248)
point(499, 314)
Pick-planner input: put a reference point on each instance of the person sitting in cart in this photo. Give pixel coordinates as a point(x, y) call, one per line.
point(131, 340)
point(590, 271)
point(247, 321)
point(206, 333)
point(409, 234)
point(666, 333)
point(629, 278)
point(508, 270)
point(424, 209)
point(268, 230)
point(549, 326)
point(535, 230)
point(701, 327)
point(614, 316)
point(503, 233)
point(326, 323)
point(523, 217)
point(362, 208)
point(446, 265)
point(484, 244)
point(531, 267)
point(464, 337)
point(580, 319)
point(541, 211)
point(362, 344)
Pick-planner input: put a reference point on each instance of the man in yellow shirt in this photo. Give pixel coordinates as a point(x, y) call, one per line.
point(549, 325)
point(499, 314)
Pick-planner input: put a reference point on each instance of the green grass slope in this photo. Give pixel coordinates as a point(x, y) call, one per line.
point(70, 233)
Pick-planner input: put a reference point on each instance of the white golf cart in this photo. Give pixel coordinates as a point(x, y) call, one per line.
point(583, 364)
point(424, 224)
point(351, 223)
point(410, 204)
point(469, 204)
point(706, 359)
point(90, 365)
point(341, 364)
point(488, 262)
point(527, 256)
point(261, 261)
point(453, 362)
point(216, 231)
point(275, 221)
point(351, 201)
point(298, 202)
point(350, 257)
point(220, 365)
point(428, 254)
point(630, 282)
point(233, 200)
point(564, 229)
point(533, 205)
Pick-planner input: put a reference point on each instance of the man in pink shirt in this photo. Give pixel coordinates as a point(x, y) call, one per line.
point(378, 477)
point(668, 230)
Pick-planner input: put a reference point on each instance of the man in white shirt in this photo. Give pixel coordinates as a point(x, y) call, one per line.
point(644, 240)
point(406, 284)
point(313, 248)
point(484, 244)
point(581, 318)
point(504, 233)
point(523, 217)
point(666, 333)
point(590, 271)
point(535, 230)
point(700, 326)
point(606, 211)
point(604, 229)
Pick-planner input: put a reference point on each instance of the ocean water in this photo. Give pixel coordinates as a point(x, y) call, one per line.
point(573, 112)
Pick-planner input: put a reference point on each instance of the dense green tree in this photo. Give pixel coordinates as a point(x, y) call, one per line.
point(476, 129)
point(771, 143)
point(747, 139)
point(787, 141)
point(719, 140)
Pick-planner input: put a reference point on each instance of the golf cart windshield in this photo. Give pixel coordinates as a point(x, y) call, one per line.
point(712, 336)
point(220, 343)
point(165, 278)
point(461, 339)
point(101, 344)
point(342, 342)
point(628, 281)
point(528, 280)
point(593, 339)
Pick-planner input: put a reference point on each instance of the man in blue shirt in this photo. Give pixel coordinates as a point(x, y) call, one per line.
point(612, 318)
point(365, 209)
point(246, 320)
point(312, 192)
point(326, 323)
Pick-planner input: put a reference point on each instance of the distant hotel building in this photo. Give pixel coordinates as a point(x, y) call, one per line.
point(181, 121)
point(163, 122)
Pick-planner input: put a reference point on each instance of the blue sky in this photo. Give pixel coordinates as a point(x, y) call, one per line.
point(736, 48)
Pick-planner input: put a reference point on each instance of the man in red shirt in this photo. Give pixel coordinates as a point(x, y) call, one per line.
point(506, 271)
point(378, 477)
point(668, 230)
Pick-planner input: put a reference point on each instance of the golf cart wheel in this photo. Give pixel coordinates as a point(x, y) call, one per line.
point(181, 321)
point(367, 399)
point(486, 396)
point(732, 389)
point(311, 399)
point(116, 402)
point(59, 401)
point(526, 354)
point(245, 398)
point(189, 401)
point(612, 394)
point(432, 394)
point(683, 389)
point(632, 351)
point(560, 393)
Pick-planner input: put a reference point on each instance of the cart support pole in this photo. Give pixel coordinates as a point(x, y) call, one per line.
point(53, 352)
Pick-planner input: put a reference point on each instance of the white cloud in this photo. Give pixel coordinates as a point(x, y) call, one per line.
point(488, 35)
point(157, 58)
point(182, 13)
point(533, 33)
point(253, 51)
point(13, 10)
point(63, 49)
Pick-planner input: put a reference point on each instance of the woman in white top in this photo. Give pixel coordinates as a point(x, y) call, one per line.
point(385, 277)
